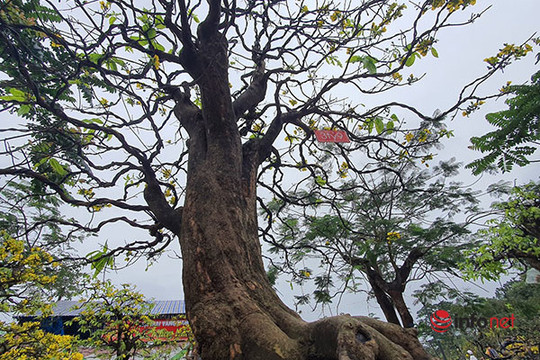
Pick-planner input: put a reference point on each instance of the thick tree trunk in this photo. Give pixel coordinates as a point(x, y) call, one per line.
point(231, 306)
point(385, 303)
point(234, 312)
point(404, 313)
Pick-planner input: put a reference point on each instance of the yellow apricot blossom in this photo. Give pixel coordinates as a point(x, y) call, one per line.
point(22, 267)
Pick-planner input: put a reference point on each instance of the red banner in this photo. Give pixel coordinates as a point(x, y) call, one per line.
point(169, 325)
point(335, 136)
point(173, 326)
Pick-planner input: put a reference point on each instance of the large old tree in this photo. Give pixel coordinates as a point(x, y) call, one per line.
point(166, 115)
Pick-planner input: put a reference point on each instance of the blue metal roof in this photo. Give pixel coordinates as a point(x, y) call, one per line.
point(66, 308)
point(161, 307)
point(168, 307)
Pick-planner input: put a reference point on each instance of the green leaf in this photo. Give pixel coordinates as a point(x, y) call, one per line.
point(410, 60)
point(370, 64)
point(160, 22)
point(151, 33)
point(93, 121)
point(23, 110)
point(111, 65)
point(320, 181)
point(390, 127)
point(57, 167)
point(158, 46)
point(369, 125)
point(434, 53)
point(379, 125)
point(355, 59)
point(95, 58)
point(17, 92)
point(16, 95)
point(100, 260)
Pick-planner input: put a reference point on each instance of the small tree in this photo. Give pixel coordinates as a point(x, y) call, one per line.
point(33, 217)
point(117, 319)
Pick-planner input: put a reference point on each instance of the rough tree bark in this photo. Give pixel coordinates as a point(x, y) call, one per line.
point(231, 306)
point(389, 294)
point(385, 302)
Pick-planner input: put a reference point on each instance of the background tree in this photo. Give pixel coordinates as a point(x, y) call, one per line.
point(511, 240)
point(392, 228)
point(518, 129)
point(101, 89)
point(36, 267)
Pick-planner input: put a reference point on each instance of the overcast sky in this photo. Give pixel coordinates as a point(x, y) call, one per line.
point(461, 53)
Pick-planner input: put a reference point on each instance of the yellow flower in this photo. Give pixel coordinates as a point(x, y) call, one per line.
point(336, 15)
point(392, 236)
point(397, 76)
point(409, 137)
point(167, 173)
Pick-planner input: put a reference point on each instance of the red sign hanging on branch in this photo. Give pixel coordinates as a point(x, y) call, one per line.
point(335, 136)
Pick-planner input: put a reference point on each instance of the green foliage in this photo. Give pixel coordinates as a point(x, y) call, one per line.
point(31, 38)
point(515, 297)
point(100, 260)
point(32, 273)
point(512, 239)
point(517, 134)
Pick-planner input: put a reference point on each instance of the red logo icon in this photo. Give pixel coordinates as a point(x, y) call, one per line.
point(440, 321)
